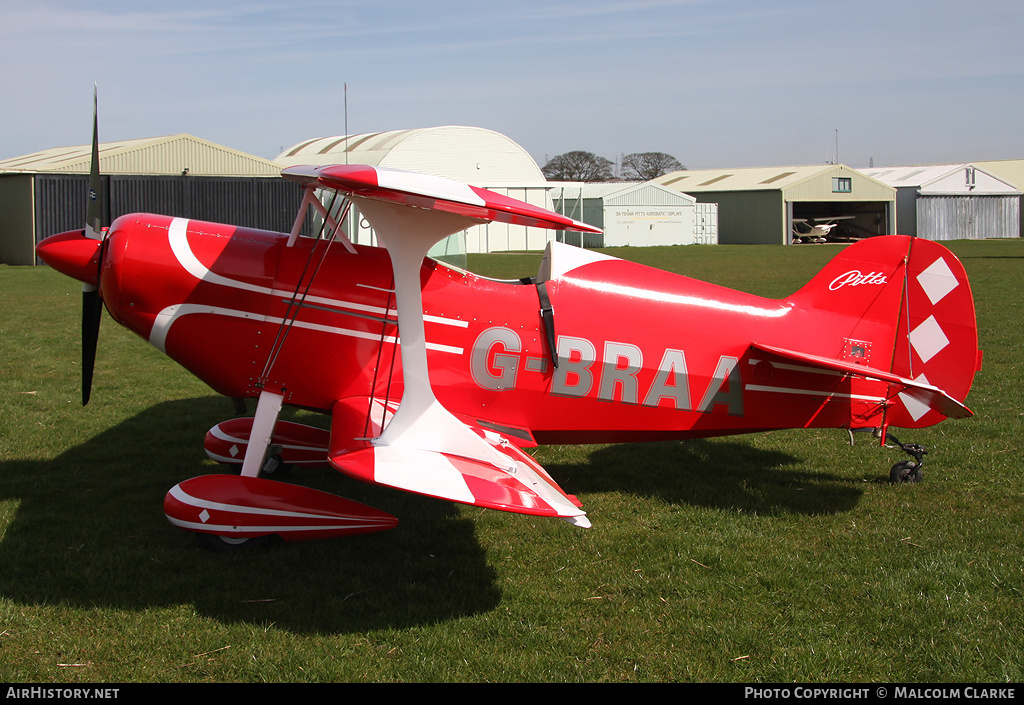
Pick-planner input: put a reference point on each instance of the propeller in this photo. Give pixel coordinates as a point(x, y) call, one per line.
point(92, 304)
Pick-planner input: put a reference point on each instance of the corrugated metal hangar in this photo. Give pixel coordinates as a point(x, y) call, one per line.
point(182, 175)
point(763, 205)
point(472, 155)
point(952, 202)
point(636, 214)
point(45, 192)
point(1010, 170)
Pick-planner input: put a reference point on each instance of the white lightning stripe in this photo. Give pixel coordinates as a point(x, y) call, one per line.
point(221, 459)
point(238, 461)
point(187, 499)
point(420, 471)
point(177, 236)
point(427, 185)
point(236, 531)
point(218, 433)
point(166, 318)
point(812, 392)
point(637, 292)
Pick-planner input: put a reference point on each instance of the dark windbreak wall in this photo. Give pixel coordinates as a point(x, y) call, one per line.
point(264, 203)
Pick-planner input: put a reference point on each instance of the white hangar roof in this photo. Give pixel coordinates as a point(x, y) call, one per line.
point(619, 193)
point(938, 179)
point(798, 183)
point(469, 154)
point(771, 178)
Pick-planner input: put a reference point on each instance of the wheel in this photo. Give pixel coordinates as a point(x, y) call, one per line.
point(905, 471)
point(231, 544)
point(273, 466)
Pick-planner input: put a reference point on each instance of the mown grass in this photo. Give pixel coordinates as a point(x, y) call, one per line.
point(774, 557)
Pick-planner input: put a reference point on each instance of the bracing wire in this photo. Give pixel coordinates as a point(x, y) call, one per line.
point(302, 290)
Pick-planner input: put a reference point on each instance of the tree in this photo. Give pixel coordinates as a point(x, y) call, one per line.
point(644, 166)
point(578, 166)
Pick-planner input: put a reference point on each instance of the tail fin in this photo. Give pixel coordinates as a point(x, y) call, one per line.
point(903, 305)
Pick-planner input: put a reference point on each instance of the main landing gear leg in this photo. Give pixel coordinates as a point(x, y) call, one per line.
point(906, 470)
point(267, 410)
point(257, 455)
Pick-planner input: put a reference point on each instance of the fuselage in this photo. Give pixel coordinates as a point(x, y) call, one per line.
point(641, 354)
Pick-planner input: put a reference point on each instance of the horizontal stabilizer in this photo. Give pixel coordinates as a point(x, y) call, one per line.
point(923, 393)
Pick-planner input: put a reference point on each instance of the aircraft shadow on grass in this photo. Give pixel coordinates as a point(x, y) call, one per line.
point(88, 529)
point(727, 474)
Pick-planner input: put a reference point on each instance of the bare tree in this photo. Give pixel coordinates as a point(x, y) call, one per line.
point(644, 166)
point(578, 166)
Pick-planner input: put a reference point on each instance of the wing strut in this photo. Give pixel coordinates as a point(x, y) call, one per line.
point(424, 448)
point(309, 199)
point(420, 422)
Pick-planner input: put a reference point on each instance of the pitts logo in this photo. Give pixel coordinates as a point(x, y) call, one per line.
point(497, 361)
point(855, 278)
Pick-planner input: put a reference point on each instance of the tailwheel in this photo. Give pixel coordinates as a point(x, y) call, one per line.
point(907, 470)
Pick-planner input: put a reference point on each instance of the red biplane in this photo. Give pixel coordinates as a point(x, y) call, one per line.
point(436, 379)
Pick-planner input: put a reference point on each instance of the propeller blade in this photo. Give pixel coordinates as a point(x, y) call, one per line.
point(92, 304)
point(92, 312)
point(94, 205)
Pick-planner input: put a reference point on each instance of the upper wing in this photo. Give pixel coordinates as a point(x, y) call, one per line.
point(431, 193)
point(420, 446)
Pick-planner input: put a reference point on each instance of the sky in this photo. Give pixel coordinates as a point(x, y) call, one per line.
point(714, 83)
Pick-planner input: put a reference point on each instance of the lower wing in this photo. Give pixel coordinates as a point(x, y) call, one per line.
point(507, 478)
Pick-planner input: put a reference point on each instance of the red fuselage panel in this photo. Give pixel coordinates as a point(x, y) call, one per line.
point(642, 353)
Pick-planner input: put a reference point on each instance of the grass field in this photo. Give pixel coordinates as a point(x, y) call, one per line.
point(775, 557)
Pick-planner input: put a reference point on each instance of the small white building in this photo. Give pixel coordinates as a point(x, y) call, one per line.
point(952, 201)
point(635, 214)
point(472, 155)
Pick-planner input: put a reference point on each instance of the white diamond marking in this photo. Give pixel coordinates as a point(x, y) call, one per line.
point(937, 281)
point(915, 408)
point(234, 451)
point(928, 339)
point(204, 516)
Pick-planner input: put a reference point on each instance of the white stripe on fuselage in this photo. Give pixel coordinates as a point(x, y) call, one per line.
point(166, 318)
point(177, 235)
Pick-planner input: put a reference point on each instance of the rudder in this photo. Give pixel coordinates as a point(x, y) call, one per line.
point(902, 305)
point(937, 342)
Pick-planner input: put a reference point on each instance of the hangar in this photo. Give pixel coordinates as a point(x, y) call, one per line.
point(637, 214)
point(952, 202)
point(45, 192)
point(760, 205)
point(1011, 170)
point(473, 155)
